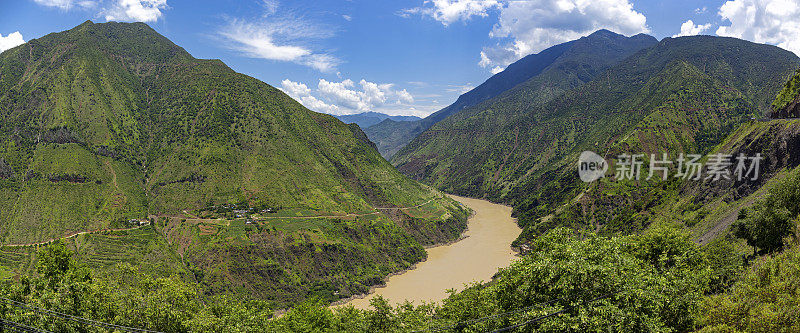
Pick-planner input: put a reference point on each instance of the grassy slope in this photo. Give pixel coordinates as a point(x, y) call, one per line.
point(684, 94)
point(789, 96)
point(108, 122)
point(706, 208)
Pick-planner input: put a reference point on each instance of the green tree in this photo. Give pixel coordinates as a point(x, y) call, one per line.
point(765, 299)
point(773, 218)
point(726, 263)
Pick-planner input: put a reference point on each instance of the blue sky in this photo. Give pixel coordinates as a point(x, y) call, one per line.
point(396, 57)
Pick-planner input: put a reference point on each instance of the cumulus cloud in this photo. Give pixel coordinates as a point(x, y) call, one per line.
point(527, 27)
point(135, 10)
point(342, 94)
point(688, 28)
point(11, 40)
point(295, 89)
point(404, 97)
point(279, 38)
point(347, 97)
point(115, 10)
point(450, 11)
point(763, 21)
point(373, 94)
point(302, 94)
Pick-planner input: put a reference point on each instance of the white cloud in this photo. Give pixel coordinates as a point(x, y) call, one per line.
point(63, 4)
point(312, 103)
point(528, 27)
point(347, 17)
point(257, 41)
point(302, 93)
point(688, 28)
point(459, 88)
point(135, 10)
point(270, 7)
point(372, 94)
point(11, 40)
point(341, 93)
point(283, 38)
point(347, 97)
point(404, 97)
point(449, 11)
point(115, 10)
point(295, 89)
point(763, 21)
point(701, 10)
point(66, 4)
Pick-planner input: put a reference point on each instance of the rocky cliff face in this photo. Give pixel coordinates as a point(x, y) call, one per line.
point(706, 207)
point(777, 142)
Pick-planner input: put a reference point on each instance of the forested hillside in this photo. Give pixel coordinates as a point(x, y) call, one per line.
point(684, 95)
point(122, 141)
point(788, 102)
point(547, 74)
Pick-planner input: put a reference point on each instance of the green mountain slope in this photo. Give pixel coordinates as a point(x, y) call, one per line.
point(547, 74)
point(787, 104)
point(110, 122)
point(709, 208)
point(682, 95)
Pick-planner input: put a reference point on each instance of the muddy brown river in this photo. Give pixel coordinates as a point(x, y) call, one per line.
point(477, 257)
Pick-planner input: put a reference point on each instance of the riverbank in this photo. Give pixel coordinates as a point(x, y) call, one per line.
point(481, 250)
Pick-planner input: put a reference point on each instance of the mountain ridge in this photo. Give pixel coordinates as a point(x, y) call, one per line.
point(565, 65)
point(109, 125)
point(367, 119)
point(682, 95)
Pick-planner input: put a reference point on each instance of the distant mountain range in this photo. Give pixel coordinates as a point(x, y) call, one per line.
point(112, 126)
point(556, 69)
point(367, 119)
point(682, 95)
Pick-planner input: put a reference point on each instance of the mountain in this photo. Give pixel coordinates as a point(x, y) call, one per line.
point(553, 71)
point(659, 279)
point(106, 127)
point(787, 104)
point(367, 119)
point(683, 95)
point(708, 209)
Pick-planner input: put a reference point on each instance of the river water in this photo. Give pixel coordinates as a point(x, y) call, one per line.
point(477, 257)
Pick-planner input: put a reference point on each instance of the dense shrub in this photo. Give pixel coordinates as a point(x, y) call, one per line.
point(770, 220)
